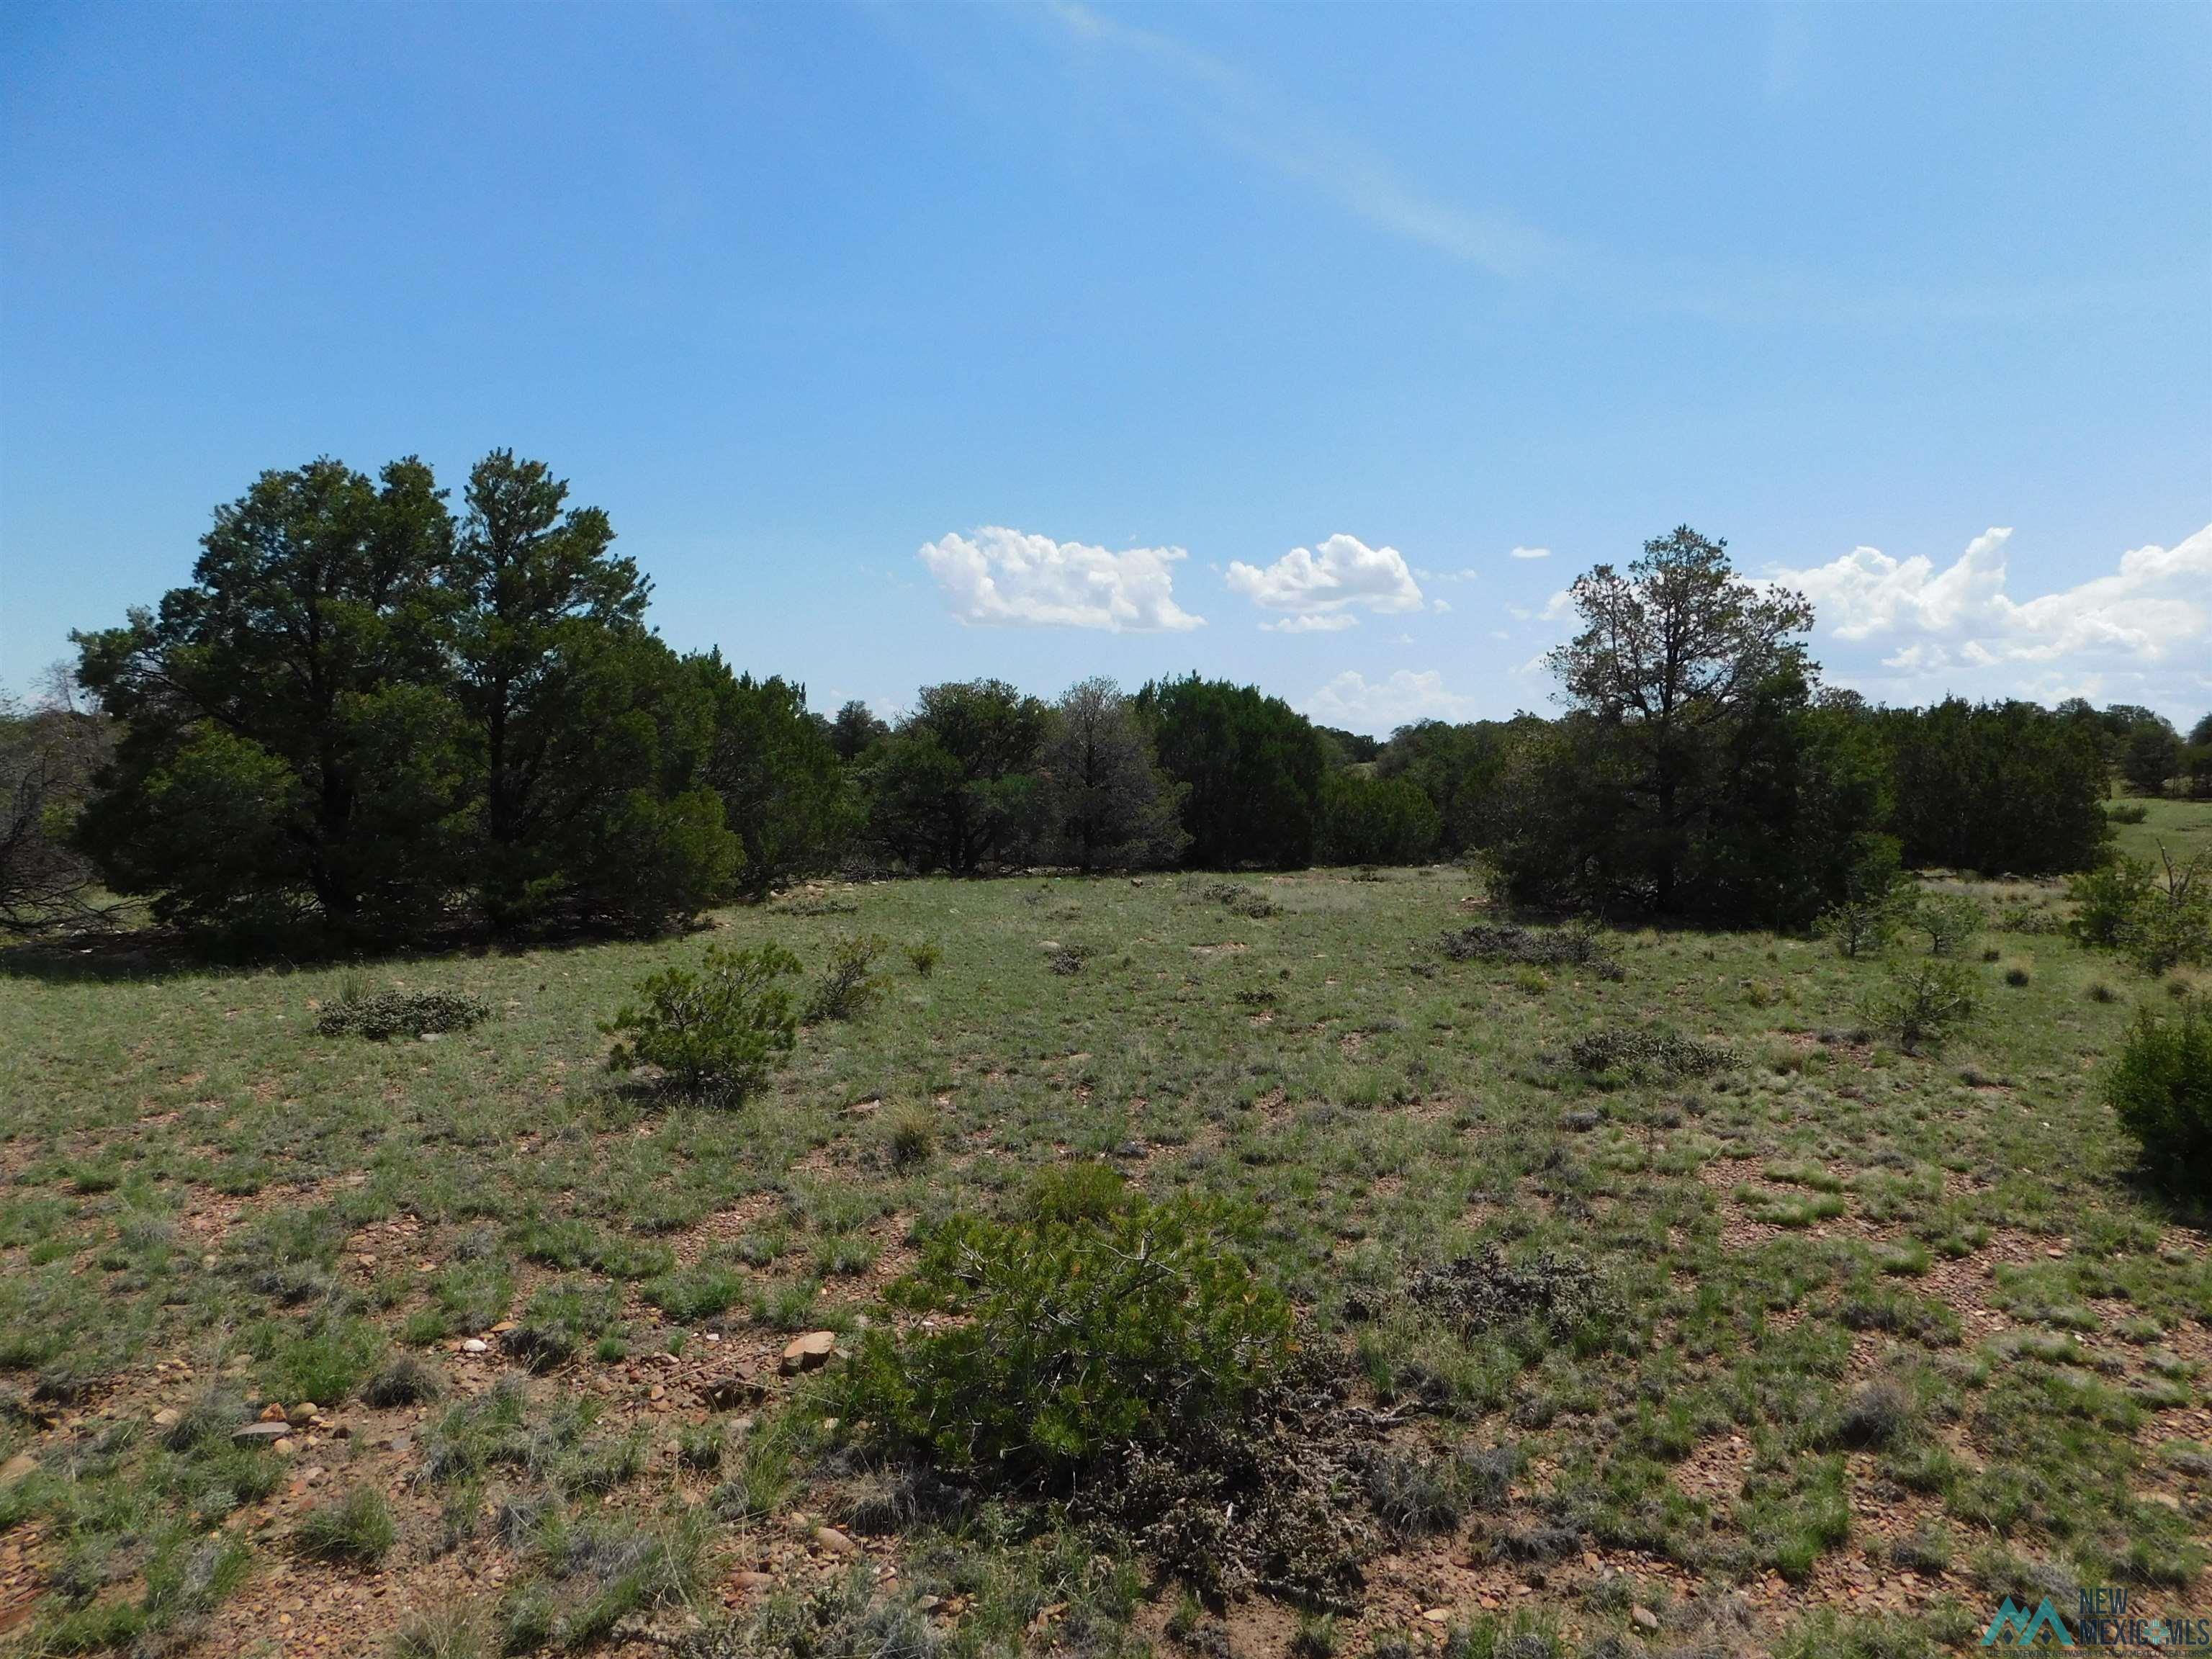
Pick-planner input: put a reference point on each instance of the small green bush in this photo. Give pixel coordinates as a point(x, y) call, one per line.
point(1949, 920)
point(719, 1031)
point(400, 1013)
point(924, 957)
point(2127, 812)
point(1071, 1340)
point(848, 982)
point(1922, 1003)
point(2160, 1090)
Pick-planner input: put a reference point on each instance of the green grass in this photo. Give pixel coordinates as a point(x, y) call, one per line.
point(1777, 1231)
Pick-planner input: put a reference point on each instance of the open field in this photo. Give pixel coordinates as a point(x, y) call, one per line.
point(1887, 1337)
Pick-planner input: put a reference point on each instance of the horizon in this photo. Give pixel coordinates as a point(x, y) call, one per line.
point(904, 346)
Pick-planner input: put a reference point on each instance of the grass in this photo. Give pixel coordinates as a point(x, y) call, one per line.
point(189, 1173)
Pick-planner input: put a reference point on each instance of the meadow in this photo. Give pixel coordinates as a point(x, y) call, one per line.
point(460, 1345)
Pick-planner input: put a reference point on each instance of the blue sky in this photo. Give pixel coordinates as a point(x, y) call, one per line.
point(915, 342)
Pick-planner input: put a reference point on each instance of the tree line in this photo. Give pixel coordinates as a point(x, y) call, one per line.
point(375, 715)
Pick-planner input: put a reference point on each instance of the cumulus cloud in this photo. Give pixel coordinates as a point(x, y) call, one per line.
point(1358, 704)
point(1312, 622)
point(1343, 576)
point(1532, 553)
point(2144, 625)
point(1009, 577)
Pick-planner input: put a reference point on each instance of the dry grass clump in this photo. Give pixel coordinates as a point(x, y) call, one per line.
point(1572, 947)
point(1650, 1051)
point(400, 1013)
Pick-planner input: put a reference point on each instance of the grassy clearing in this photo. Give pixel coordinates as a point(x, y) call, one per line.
point(1846, 1327)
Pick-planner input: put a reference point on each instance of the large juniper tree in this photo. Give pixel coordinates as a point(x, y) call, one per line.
point(593, 741)
point(1676, 655)
point(289, 747)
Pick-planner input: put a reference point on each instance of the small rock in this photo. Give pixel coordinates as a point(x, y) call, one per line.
point(306, 1412)
point(835, 1541)
point(272, 1412)
point(1645, 1618)
point(261, 1433)
point(476, 1345)
point(1438, 1615)
point(502, 1327)
point(726, 1393)
point(17, 1467)
point(285, 1447)
point(749, 1584)
point(809, 1352)
point(166, 1418)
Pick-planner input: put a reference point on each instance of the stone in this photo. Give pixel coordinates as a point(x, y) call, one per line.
point(809, 1352)
point(835, 1541)
point(166, 1418)
point(751, 1583)
point(476, 1345)
point(306, 1412)
point(1645, 1618)
point(726, 1393)
point(17, 1467)
point(261, 1434)
point(272, 1412)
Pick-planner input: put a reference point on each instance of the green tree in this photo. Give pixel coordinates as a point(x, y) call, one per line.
point(1671, 654)
point(775, 769)
point(290, 752)
point(2152, 756)
point(955, 788)
point(48, 756)
point(1377, 820)
point(1460, 769)
point(592, 741)
point(1107, 803)
point(1999, 787)
point(1251, 766)
point(855, 731)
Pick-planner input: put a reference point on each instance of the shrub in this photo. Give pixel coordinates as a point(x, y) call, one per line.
point(1577, 947)
point(1648, 1051)
point(848, 982)
point(1073, 1339)
point(2161, 918)
point(1922, 1003)
point(1555, 1295)
point(2160, 1090)
point(924, 957)
point(1949, 919)
point(2127, 812)
point(400, 1013)
point(717, 1031)
point(2105, 900)
point(356, 1527)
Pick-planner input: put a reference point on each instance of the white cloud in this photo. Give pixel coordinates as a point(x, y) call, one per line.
point(1464, 573)
point(1345, 575)
point(1312, 622)
point(1531, 553)
point(1008, 577)
point(2143, 626)
point(1358, 704)
point(1439, 604)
